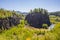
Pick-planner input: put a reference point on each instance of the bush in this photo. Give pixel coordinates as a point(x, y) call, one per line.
point(45, 26)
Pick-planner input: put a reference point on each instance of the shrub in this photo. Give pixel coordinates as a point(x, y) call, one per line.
point(45, 26)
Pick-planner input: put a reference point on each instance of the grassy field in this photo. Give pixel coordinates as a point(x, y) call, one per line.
point(23, 32)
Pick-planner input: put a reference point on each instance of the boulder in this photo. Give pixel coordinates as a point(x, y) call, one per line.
point(37, 19)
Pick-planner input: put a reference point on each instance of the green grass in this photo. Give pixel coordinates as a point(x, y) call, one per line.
point(27, 33)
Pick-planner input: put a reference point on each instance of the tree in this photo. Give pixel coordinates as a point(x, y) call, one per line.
point(35, 10)
point(31, 11)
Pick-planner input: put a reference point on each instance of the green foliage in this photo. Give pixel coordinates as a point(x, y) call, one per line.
point(6, 13)
point(45, 26)
point(54, 19)
point(22, 33)
point(39, 10)
point(22, 23)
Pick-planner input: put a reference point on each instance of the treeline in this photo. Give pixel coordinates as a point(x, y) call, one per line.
point(57, 13)
point(41, 10)
point(38, 10)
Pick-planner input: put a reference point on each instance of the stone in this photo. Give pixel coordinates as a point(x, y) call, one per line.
point(37, 19)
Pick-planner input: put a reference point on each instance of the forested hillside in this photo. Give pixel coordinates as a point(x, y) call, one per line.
point(57, 13)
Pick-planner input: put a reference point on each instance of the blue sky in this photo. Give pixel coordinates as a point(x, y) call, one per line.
point(26, 5)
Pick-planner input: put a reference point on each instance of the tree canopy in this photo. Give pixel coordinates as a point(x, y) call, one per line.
point(39, 10)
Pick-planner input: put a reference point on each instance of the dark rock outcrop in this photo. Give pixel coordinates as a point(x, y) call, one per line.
point(37, 19)
point(6, 23)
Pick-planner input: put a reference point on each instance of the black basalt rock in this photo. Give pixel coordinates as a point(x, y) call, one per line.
point(37, 19)
point(8, 22)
